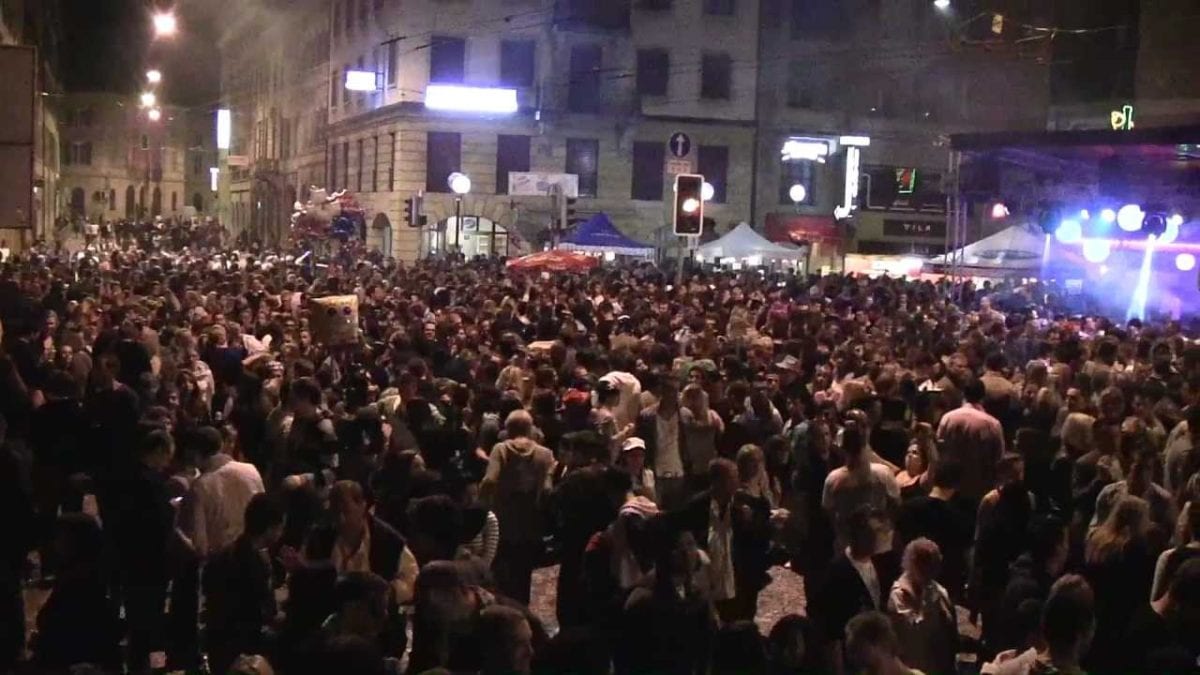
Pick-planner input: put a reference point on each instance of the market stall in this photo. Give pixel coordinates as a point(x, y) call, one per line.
point(598, 235)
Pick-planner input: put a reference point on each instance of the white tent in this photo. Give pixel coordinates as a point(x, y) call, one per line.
point(743, 242)
point(1015, 248)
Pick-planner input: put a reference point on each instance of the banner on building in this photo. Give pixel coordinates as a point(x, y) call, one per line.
point(539, 184)
point(932, 229)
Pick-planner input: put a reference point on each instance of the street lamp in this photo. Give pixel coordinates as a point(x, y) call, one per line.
point(154, 114)
point(154, 76)
point(460, 184)
point(707, 191)
point(148, 99)
point(165, 24)
point(797, 193)
point(942, 5)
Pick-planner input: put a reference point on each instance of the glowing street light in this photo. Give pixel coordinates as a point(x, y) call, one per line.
point(154, 114)
point(154, 76)
point(165, 24)
point(148, 99)
point(942, 5)
point(707, 191)
point(460, 183)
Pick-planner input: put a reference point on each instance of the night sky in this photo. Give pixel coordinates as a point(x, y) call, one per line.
point(107, 47)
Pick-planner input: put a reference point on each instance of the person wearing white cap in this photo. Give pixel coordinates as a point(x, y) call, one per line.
point(632, 460)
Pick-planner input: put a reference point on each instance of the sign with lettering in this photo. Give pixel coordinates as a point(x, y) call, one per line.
point(1122, 120)
point(914, 228)
point(675, 167)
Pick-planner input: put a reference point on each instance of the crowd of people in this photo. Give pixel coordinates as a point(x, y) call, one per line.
point(196, 472)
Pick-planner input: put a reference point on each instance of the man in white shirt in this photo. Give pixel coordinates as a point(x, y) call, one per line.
point(661, 428)
point(213, 510)
point(629, 402)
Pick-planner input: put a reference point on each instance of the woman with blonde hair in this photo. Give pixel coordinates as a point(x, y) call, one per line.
point(702, 427)
point(752, 471)
point(1119, 564)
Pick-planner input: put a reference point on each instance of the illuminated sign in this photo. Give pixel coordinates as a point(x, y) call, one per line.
point(906, 181)
point(224, 128)
point(809, 149)
point(1122, 120)
point(213, 175)
point(853, 169)
point(362, 80)
point(458, 98)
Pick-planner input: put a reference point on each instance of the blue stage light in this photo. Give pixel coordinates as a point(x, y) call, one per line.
point(1068, 232)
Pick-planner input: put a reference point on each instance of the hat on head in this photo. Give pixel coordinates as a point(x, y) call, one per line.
point(632, 444)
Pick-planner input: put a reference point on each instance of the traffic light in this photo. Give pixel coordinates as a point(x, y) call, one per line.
point(568, 211)
point(413, 210)
point(689, 205)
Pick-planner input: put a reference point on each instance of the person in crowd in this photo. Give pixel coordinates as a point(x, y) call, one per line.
point(1119, 565)
point(1029, 578)
point(945, 519)
point(791, 647)
point(1172, 559)
point(78, 624)
point(238, 583)
point(632, 461)
point(356, 541)
point(505, 642)
point(1067, 628)
point(872, 645)
point(857, 581)
point(660, 426)
point(702, 428)
point(917, 476)
point(860, 482)
point(515, 485)
point(1164, 635)
point(18, 532)
point(923, 615)
point(733, 528)
point(668, 621)
point(974, 439)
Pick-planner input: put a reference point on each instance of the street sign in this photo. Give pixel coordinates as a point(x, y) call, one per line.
point(680, 144)
point(677, 166)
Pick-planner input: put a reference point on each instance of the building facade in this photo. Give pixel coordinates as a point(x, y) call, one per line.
point(37, 24)
point(622, 95)
point(117, 163)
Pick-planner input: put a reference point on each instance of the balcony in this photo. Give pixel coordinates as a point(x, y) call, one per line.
point(590, 16)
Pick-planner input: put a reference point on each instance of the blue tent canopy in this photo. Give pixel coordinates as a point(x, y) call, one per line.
point(598, 235)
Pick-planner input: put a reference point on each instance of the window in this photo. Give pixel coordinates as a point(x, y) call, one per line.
point(145, 142)
point(512, 154)
point(648, 158)
point(583, 88)
point(86, 117)
point(112, 199)
point(655, 5)
point(346, 163)
point(359, 157)
point(197, 164)
point(719, 7)
point(349, 17)
point(447, 59)
point(156, 204)
point(393, 55)
point(362, 65)
point(818, 18)
point(337, 19)
point(78, 200)
point(716, 71)
point(392, 163)
point(792, 173)
point(174, 201)
point(583, 161)
point(375, 164)
point(443, 157)
point(713, 162)
point(342, 85)
point(378, 8)
point(198, 202)
point(363, 12)
point(333, 167)
point(653, 71)
point(517, 63)
point(333, 89)
point(130, 208)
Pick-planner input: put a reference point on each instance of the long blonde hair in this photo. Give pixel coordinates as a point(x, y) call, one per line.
point(1129, 521)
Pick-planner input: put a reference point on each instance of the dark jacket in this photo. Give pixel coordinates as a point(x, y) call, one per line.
point(240, 596)
point(842, 593)
point(646, 428)
point(77, 624)
point(143, 526)
point(387, 545)
point(751, 534)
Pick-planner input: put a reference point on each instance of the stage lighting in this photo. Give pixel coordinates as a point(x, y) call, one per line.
point(1185, 262)
point(1068, 232)
point(1175, 220)
point(1129, 218)
point(1096, 250)
point(1084, 214)
point(1170, 233)
point(1154, 224)
point(1108, 215)
point(999, 211)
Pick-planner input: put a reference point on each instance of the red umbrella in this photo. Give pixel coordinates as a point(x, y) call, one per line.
point(555, 261)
